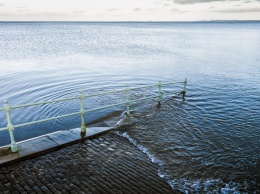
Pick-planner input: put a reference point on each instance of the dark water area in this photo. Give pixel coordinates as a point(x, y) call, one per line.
point(210, 143)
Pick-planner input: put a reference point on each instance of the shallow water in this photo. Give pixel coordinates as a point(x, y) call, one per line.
point(208, 143)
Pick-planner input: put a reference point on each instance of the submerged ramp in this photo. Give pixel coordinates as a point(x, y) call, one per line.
point(46, 143)
point(108, 164)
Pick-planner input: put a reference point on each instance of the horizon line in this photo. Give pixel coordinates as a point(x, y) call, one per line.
point(130, 21)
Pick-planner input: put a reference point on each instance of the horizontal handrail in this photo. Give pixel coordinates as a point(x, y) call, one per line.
point(168, 83)
point(149, 86)
point(104, 107)
point(81, 97)
point(141, 87)
point(89, 95)
point(4, 128)
point(44, 102)
point(90, 110)
point(48, 119)
point(104, 93)
point(145, 98)
point(173, 93)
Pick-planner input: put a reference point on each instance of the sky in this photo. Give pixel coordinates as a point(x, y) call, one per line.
point(128, 10)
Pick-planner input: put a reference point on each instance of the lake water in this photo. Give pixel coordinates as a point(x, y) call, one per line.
point(210, 143)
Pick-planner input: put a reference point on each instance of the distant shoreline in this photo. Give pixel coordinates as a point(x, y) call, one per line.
point(201, 21)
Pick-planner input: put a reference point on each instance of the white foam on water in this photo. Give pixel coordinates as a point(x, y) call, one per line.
point(141, 147)
point(210, 186)
point(206, 186)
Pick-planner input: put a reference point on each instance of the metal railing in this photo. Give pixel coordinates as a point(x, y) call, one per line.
point(10, 127)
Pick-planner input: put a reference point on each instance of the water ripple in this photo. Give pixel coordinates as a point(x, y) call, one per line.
point(207, 144)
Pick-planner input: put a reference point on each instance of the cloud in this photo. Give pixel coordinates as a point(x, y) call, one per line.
point(23, 10)
point(110, 10)
point(207, 1)
point(166, 4)
point(238, 10)
point(52, 13)
point(152, 9)
point(179, 11)
point(175, 10)
point(193, 1)
point(80, 12)
point(250, 1)
point(2, 5)
point(137, 9)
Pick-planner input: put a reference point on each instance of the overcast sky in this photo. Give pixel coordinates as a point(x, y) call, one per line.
point(129, 10)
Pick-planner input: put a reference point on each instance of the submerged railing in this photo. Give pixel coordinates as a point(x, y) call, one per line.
point(10, 127)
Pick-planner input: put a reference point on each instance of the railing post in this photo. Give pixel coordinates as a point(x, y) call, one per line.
point(160, 93)
point(184, 89)
point(127, 101)
point(10, 126)
point(82, 112)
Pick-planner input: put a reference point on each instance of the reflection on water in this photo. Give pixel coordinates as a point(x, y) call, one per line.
point(208, 143)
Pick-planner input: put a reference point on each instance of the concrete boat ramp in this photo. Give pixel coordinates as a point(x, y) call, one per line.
point(49, 142)
point(63, 162)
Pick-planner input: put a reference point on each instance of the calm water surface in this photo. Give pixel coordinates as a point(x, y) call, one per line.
point(210, 143)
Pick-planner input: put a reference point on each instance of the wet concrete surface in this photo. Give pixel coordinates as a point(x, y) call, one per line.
point(108, 164)
point(47, 143)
